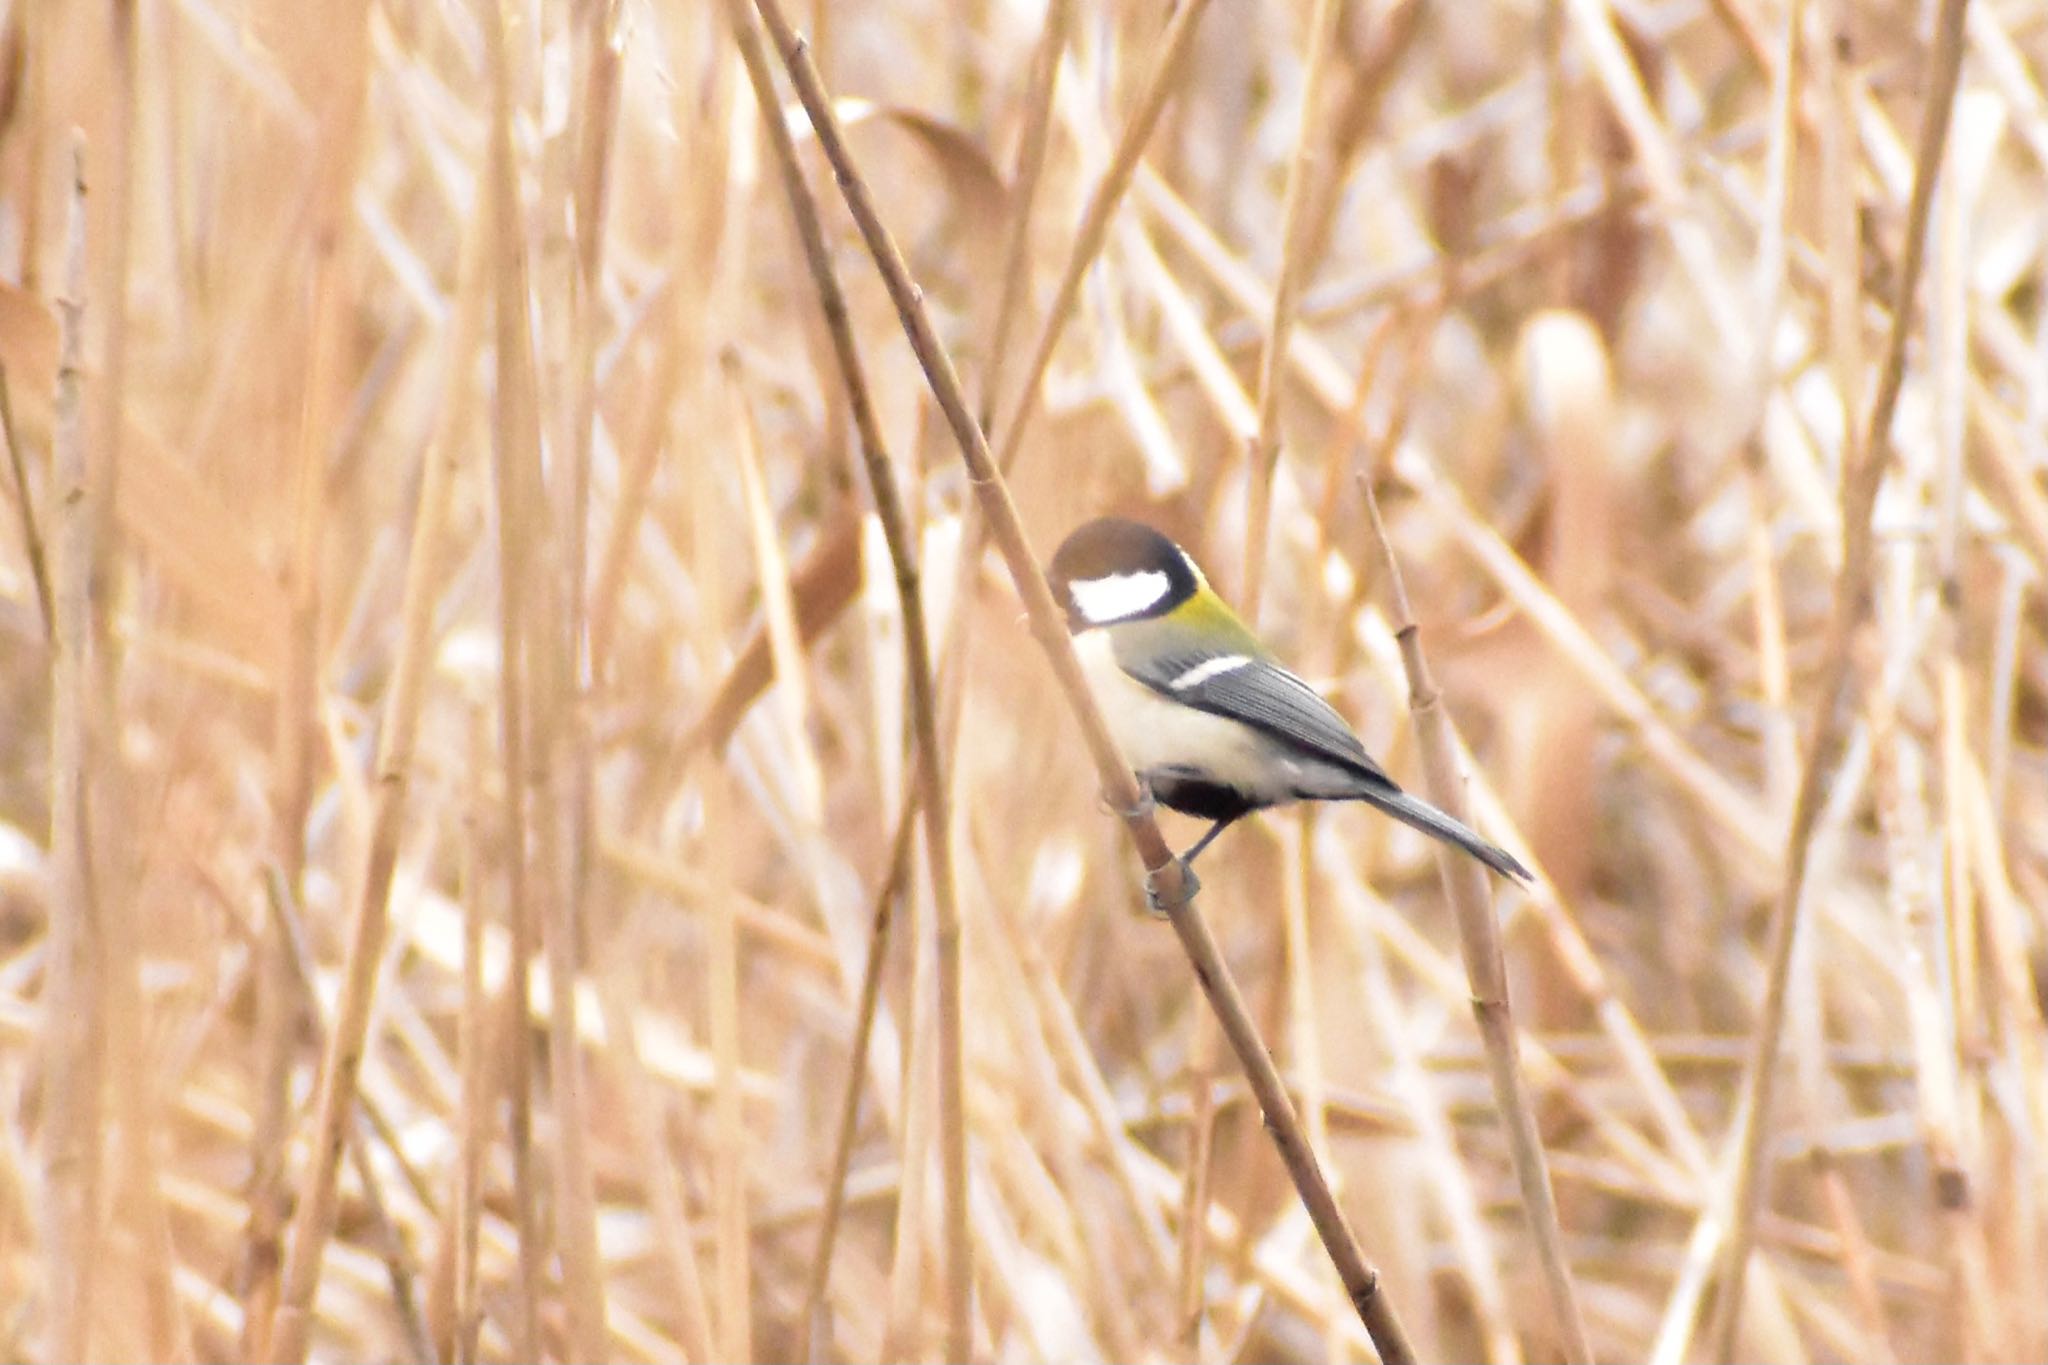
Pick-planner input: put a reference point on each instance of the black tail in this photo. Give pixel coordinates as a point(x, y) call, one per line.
point(1420, 815)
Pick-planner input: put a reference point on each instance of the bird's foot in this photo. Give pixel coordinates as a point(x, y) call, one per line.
point(1156, 894)
point(1145, 804)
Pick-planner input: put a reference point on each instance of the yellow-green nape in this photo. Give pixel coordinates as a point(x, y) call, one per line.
point(1211, 618)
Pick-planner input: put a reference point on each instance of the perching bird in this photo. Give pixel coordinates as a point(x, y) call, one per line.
point(1212, 724)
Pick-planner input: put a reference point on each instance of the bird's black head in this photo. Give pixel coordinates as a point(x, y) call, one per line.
point(1113, 570)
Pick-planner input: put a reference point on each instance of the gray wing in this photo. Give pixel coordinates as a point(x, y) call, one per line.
point(1261, 694)
point(1255, 691)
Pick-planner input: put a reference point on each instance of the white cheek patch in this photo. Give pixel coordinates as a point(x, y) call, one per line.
point(1101, 600)
point(1207, 669)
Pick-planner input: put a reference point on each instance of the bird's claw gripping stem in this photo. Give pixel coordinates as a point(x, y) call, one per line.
point(1155, 896)
point(1145, 804)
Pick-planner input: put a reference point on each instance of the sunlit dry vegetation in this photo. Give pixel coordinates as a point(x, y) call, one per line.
point(449, 552)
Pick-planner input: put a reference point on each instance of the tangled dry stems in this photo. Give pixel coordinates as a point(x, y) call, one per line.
point(1598, 298)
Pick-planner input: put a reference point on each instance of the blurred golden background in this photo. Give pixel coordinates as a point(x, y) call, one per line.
point(437, 561)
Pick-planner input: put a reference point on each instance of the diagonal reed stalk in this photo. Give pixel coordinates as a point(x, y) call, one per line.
point(1479, 937)
point(1852, 588)
point(1097, 215)
point(31, 529)
point(1167, 873)
point(881, 921)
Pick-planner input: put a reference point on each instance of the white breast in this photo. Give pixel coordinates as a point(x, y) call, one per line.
point(1157, 734)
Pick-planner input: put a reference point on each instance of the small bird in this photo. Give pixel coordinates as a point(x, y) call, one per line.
point(1214, 726)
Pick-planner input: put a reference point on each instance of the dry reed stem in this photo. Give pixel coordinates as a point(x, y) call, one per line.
point(643, 458)
point(466, 1209)
point(72, 990)
point(1859, 499)
point(291, 938)
point(120, 980)
point(537, 666)
point(691, 1309)
point(1105, 197)
point(1689, 770)
point(1304, 1048)
point(1681, 763)
point(931, 779)
point(1080, 1072)
point(1357, 111)
point(903, 1321)
point(137, 1106)
point(478, 1070)
point(397, 1261)
point(1119, 784)
point(110, 394)
point(313, 1223)
point(1305, 172)
point(1479, 937)
point(31, 528)
point(2003, 923)
point(596, 28)
point(1161, 79)
point(294, 724)
point(1462, 1202)
point(1923, 934)
point(1566, 936)
point(524, 700)
point(881, 921)
point(1197, 1182)
point(778, 606)
point(733, 1254)
point(653, 246)
point(1024, 181)
point(1621, 83)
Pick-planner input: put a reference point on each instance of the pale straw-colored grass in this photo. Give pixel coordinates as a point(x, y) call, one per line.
point(429, 927)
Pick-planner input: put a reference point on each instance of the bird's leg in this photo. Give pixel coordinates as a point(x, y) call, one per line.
point(1225, 823)
point(1146, 805)
point(1189, 881)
